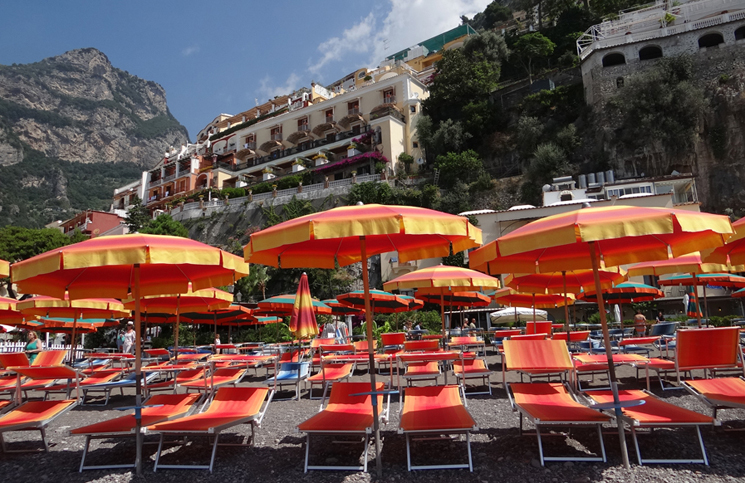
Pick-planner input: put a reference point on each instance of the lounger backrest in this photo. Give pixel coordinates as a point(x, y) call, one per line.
point(341, 394)
point(464, 340)
point(667, 328)
point(190, 374)
point(537, 355)
point(170, 404)
point(421, 345)
point(322, 341)
point(538, 327)
point(238, 401)
point(48, 372)
point(13, 359)
point(228, 372)
point(329, 349)
point(293, 367)
point(434, 401)
point(50, 358)
point(501, 334)
point(707, 348)
point(529, 337)
point(393, 338)
point(362, 346)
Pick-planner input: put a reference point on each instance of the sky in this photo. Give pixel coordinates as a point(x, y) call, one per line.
point(222, 56)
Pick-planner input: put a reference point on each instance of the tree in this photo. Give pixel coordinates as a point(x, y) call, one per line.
point(254, 286)
point(548, 162)
point(406, 160)
point(165, 225)
point(528, 135)
point(494, 13)
point(454, 167)
point(137, 216)
point(77, 236)
point(17, 243)
point(530, 47)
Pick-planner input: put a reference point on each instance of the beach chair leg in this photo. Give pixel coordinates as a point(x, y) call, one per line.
point(157, 456)
point(214, 451)
point(468, 444)
point(602, 443)
point(307, 451)
point(367, 449)
point(85, 452)
point(540, 444)
point(703, 448)
point(636, 445)
point(408, 452)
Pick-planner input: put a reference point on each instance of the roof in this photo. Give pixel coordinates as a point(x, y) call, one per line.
point(437, 42)
point(476, 212)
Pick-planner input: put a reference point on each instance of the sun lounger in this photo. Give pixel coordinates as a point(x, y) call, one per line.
point(98, 377)
point(229, 376)
point(536, 358)
point(182, 377)
point(128, 380)
point(157, 409)
point(330, 372)
point(36, 415)
point(719, 393)
point(290, 373)
point(472, 369)
point(231, 407)
point(344, 415)
point(467, 344)
point(656, 413)
point(433, 411)
point(552, 405)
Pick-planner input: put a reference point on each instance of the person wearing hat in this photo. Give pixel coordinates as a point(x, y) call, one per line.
point(129, 338)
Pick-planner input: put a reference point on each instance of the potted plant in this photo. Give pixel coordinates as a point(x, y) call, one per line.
point(297, 165)
point(320, 159)
point(267, 174)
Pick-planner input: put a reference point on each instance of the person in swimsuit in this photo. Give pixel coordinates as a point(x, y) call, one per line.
point(33, 347)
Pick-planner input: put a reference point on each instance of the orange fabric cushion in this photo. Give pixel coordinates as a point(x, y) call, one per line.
point(725, 390)
point(654, 410)
point(472, 366)
point(537, 355)
point(708, 347)
point(551, 402)
point(32, 413)
point(332, 372)
point(345, 412)
point(434, 408)
point(422, 369)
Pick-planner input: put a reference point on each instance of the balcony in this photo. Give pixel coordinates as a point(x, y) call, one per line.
point(155, 182)
point(354, 111)
point(305, 149)
point(385, 110)
point(169, 177)
point(389, 100)
point(277, 136)
point(303, 128)
point(251, 146)
point(329, 119)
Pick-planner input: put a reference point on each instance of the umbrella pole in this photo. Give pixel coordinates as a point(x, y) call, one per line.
point(609, 355)
point(695, 297)
point(175, 329)
point(442, 314)
point(214, 318)
point(371, 353)
point(566, 307)
point(706, 305)
point(533, 310)
point(138, 373)
point(72, 339)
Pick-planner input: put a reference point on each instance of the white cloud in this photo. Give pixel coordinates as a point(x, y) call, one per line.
point(190, 50)
point(354, 39)
point(269, 89)
point(403, 25)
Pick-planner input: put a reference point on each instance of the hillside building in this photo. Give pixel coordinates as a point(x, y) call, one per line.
point(610, 52)
point(91, 223)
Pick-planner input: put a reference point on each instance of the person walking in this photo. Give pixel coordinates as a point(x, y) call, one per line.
point(129, 339)
point(640, 324)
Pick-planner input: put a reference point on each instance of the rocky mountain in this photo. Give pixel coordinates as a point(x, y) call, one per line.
point(72, 128)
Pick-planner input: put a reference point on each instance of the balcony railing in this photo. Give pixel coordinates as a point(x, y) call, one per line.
point(353, 111)
point(251, 146)
point(389, 111)
point(303, 127)
point(155, 182)
point(329, 118)
point(305, 148)
point(389, 100)
point(169, 177)
point(277, 136)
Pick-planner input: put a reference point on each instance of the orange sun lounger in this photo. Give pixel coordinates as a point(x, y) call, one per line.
point(346, 415)
point(719, 393)
point(431, 411)
point(183, 377)
point(552, 405)
point(162, 407)
point(329, 374)
point(97, 377)
point(472, 369)
point(36, 415)
point(536, 358)
point(220, 377)
point(232, 406)
point(656, 413)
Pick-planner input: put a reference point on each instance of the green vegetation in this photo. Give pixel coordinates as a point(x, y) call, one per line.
point(165, 225)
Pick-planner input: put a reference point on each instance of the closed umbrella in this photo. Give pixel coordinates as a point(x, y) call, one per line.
point(115, 266)
point(303, 319)
point(611, 236)
point(351, 234)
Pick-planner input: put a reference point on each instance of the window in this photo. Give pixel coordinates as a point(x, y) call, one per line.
point(415, 144)
point(353, 107)
point(329, 114)
point(412, 109)
point(356, 129)
point(389, 96)
point(650, 52)
point(614, 59)
point(302, 124)
point(710, 40)
point(740, 33)
point(361, 75)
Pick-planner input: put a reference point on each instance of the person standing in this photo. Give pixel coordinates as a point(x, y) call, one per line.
point(129, 339)
point(640, 324)
point(33, 347)
point(473, 324)
point(119, 340)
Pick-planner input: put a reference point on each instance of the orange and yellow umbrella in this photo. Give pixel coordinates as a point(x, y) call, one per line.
point(589, 237)
point(351, 234)
point(443, 280)
point(285, 304)
point(43, 306)
point(115, 266)
point(4, 269)
point(624, 293)
point(9, 313)
point(512, 298)
point(303, 319)
point(732, 252)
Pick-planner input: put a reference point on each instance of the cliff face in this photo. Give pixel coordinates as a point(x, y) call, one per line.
point(78, 107)
point(72, 129)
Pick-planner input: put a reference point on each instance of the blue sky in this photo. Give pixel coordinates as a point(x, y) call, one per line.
point(220, 56)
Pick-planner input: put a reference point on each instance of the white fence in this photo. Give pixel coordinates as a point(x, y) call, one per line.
point(21, 346)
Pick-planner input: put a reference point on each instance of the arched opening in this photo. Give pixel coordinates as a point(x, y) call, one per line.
point(650, 52)
point(614, 59)
point(740, 33)
point(710, 40)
